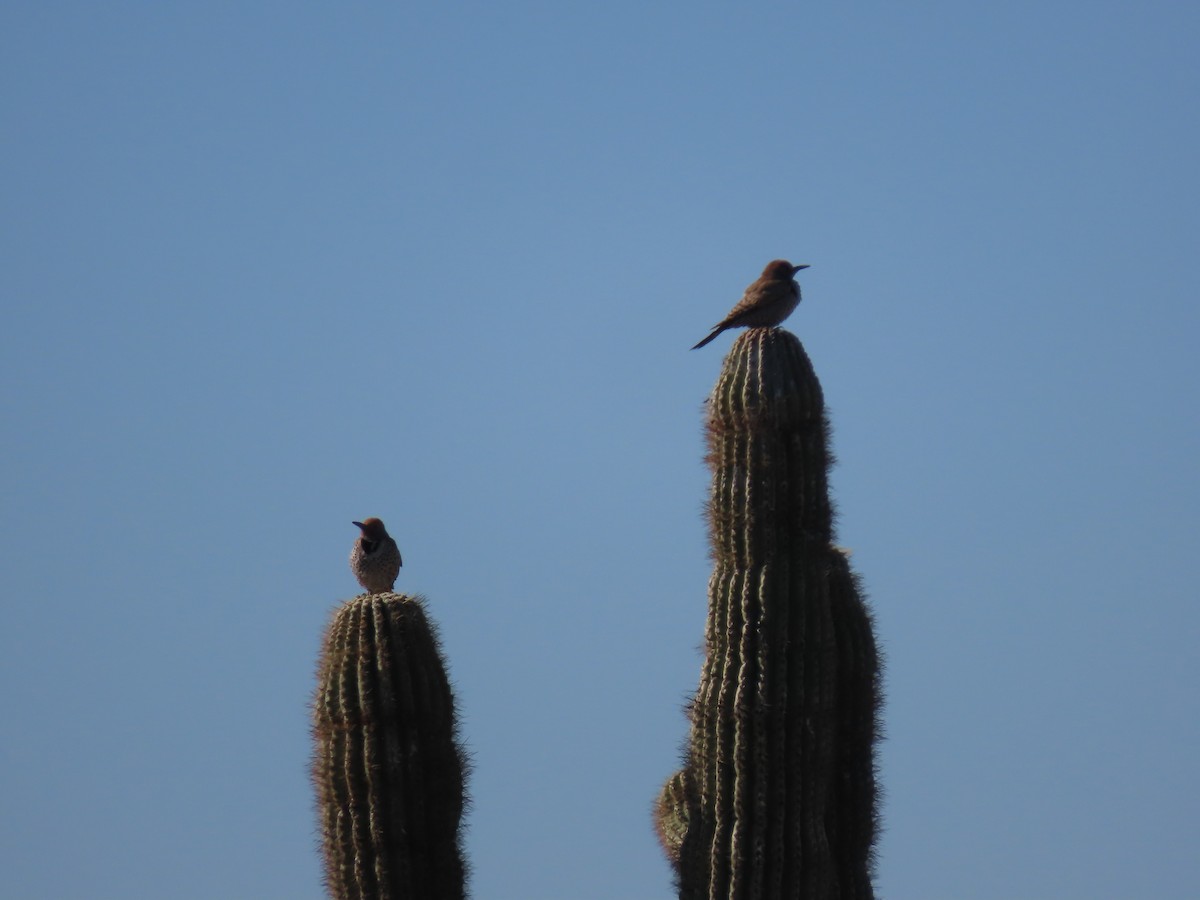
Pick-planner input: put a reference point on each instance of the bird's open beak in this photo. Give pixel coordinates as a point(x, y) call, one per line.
point(796, 269)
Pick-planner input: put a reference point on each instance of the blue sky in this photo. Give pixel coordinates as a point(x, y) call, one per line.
point(269, 268)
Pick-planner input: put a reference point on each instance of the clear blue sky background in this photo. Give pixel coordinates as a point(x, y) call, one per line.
point(271, 267)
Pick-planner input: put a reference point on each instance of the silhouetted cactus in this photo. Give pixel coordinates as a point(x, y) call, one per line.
point(777, 795)
point(387, 767)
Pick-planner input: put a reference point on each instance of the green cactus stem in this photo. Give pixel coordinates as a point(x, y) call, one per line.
point(387, 767)
point(778, 785)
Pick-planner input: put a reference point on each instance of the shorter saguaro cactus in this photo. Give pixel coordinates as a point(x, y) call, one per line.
point(388, 769)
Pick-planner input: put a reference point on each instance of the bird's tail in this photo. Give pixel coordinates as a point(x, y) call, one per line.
point(715, 332)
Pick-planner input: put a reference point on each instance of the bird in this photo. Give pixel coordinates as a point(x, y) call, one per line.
point(375, 559)
point(767, 302)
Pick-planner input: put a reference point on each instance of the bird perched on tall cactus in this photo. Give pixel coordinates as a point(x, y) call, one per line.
point(387, 767)
point(777, 795)
point(375, 559)
point(767, 301)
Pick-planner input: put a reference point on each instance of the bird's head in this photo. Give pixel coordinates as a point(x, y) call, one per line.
point(780, 268)
point(372, 529)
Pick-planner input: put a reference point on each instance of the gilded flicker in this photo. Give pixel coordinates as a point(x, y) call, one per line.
point(767, 302)
point(375, 559)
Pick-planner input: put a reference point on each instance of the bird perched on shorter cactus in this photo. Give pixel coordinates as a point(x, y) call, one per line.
point(766, 303)
point(375, 559)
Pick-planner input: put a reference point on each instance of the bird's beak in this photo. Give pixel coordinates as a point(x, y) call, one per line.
point(359, 524)
point(796, 269)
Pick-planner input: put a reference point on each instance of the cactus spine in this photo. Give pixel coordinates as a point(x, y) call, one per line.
point(777, 794)
point(388, 770)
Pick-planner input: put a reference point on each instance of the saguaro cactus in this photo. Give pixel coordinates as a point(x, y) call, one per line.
point(777, 794)
point(388, 769)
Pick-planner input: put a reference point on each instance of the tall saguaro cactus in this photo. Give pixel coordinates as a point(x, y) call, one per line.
point(777, 795)
point(387, 767)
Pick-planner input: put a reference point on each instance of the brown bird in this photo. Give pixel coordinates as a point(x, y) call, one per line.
point(767, 302)
point(375, 559)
